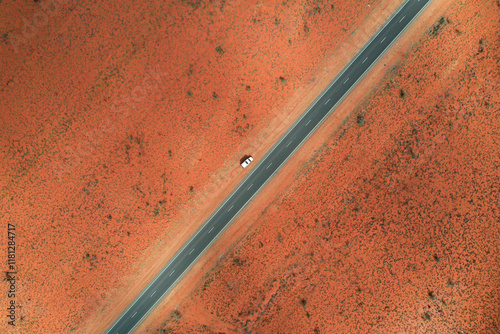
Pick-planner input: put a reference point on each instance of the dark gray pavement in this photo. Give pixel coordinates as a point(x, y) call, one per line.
point(265, 169)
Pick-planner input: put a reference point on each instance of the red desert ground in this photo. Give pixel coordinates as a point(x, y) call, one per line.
point(123, 124)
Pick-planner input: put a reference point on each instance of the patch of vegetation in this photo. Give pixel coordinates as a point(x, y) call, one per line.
point(443, 21)
point(193, 3)
point(238, 262)
point(306, 29)
point(219, 50)
point(156, 212)
point(175, 315)
point(360, 120)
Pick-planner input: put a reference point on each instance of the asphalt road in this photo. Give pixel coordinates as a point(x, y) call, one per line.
point(265, 169)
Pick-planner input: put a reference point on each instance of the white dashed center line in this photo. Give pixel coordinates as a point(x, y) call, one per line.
point(346, 80)
point(308, 122)
point(211, 229)
point(191, 251)
point(383, 39)
point(134, 314)
point(402, 19)
point(250, 186)
point(327, 101)
point(152, 294)
point(173, 271)
point(288, 144)
point(364, 60)
point(269, 165)
point(230, 208)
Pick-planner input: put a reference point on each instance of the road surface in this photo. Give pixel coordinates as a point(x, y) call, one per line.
point(265, 169)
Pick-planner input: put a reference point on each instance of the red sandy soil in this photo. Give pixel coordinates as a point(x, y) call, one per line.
point(122, 127)
point(392, 224)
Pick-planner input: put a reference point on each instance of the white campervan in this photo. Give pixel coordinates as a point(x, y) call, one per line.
point(247, 162)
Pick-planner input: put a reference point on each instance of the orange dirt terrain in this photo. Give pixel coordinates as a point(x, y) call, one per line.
point(123, 124)
point(392, 225)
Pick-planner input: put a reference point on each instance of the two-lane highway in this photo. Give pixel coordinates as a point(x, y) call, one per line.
point(264, 170)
